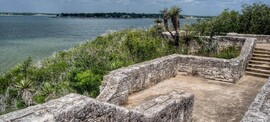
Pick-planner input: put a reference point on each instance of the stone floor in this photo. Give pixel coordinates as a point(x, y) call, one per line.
point(215, 101)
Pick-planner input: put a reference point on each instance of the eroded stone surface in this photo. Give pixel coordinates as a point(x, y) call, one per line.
point(78, 108)
point(259, 110)
point(260, 38)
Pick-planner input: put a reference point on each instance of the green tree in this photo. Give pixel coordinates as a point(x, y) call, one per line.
point(255, 18)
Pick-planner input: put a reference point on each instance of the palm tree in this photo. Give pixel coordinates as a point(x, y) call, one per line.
point(25, 87)
point(174, 13)
point(166, 17)
point(48, 91)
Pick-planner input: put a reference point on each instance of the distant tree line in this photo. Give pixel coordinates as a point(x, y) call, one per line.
point(24, 14)
point(111, 15)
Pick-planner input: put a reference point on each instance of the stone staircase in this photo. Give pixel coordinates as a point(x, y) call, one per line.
point(259, 64)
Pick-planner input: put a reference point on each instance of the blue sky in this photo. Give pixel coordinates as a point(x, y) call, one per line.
point(191, 7)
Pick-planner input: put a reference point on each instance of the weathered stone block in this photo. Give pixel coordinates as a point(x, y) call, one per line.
point(259, 110)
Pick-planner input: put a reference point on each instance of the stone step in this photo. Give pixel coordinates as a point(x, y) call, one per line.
point(258, 70)
point(262, 66)
point(261, 59)
point(262, 49)
point(261, 55)
point(261, 52)
point(257, 74)
point(259, 62)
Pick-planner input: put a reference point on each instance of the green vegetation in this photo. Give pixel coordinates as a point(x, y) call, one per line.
point(229, 52)
point(253, 19)
point(208, 48)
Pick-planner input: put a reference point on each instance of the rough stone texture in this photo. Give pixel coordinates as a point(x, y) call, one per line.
point(219, 69)
point(260, 38)
point(259, 110)
point(177, 107)
point(223, 42)
point(118, 84)
point(167, 109)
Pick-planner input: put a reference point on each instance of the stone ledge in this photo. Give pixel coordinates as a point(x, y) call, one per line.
point(74, 107)
point(259, 110)
point(163, 104)
point(260, 38)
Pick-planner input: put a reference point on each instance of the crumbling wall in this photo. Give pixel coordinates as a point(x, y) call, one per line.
point(260, 38)
point(210, 68)
point(177, 107)
point(119, 83)
point(219, 69)
point(259, 110)
point(167, 109)
point(224, 42)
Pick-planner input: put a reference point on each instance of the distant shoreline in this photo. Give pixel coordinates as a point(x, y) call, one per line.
point(116, 15)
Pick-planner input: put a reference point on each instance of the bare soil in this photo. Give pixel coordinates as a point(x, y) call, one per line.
point(215, 101)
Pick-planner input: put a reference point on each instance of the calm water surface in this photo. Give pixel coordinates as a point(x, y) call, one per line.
point(40, 36)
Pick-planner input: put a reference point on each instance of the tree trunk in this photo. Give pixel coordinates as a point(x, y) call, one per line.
point(27, 97)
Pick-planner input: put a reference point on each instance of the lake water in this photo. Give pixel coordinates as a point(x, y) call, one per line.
point(40, 36)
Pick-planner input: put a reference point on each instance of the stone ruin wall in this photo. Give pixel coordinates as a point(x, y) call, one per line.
point(220, 42)
point(260, 38)
point(219, 69)
point(259, 110)
point(175, 107)
point(118, 84)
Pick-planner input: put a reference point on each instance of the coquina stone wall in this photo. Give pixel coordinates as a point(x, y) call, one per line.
point(224, 42)
point(259, 110)
point(175, 107)
point(260, 38)
point(119, 83)
point(219, 69)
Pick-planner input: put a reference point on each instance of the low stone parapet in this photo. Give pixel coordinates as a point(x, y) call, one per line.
point(259, 110)
point(167, 108)
point(119, 83)
point(260, 38)
point(219, 69)
point(177, 107)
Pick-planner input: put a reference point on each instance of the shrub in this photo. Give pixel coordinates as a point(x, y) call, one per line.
point(229, 52)
point(89, 82)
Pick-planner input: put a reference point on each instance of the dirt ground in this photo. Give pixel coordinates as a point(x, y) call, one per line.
point(215, 101)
